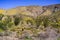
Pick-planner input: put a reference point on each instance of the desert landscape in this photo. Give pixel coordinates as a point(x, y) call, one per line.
point(30, 23)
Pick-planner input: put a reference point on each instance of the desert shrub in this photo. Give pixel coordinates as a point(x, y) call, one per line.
point(6, 22)
point(44, 21)
point(38, 21)
point(28, 38)
point(1, 16)
point(17, 20)
point(1, 25)
point(55, 20)
point(29, 20)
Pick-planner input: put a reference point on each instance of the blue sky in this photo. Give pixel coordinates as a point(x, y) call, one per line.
point(7, 4)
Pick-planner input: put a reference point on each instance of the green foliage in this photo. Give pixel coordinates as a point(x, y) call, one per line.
point(6, 23)
point(58, 39)
point(55, 20)
point(38, 21)
point(17, 20)
point(1, 16)
point(28, 38)
point(29, 20)
point(1, 30)
point(44, 21)
point(2, 26)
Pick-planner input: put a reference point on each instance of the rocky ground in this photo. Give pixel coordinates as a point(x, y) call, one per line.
point(50, 34)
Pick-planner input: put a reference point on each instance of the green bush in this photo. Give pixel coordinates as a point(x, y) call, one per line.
point(1, 16)
point(17, 20)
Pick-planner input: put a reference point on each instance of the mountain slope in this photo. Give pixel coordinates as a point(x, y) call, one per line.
point(32, 10)
point(30, 23)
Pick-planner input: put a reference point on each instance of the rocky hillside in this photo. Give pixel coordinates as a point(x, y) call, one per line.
point(30, 23)
point(32, 10)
